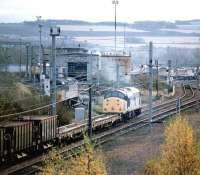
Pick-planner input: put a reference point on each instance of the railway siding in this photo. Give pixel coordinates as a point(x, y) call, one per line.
point(166, 110)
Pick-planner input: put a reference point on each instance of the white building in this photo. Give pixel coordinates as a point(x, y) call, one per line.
point(117, 65)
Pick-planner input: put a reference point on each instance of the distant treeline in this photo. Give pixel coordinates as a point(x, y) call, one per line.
point(137, 24)
point(28, 29)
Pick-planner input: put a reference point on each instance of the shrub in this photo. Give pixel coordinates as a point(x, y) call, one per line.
point(179, 153)
point(88, 162)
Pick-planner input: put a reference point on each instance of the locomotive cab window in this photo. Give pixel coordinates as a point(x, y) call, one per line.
point(116, 94)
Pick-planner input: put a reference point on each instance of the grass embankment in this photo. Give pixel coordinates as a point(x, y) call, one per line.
point(16, 96)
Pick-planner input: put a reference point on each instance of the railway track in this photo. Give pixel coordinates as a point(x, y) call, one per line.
point(168, 103)
point(160, 112)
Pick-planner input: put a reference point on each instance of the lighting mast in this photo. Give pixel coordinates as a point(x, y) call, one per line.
point(115, 2)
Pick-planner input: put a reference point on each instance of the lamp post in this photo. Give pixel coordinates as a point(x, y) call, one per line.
point(115, 2)
point(27, 60)
point(53, 33)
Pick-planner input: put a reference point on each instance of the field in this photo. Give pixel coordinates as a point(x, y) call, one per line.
point(99, 28)
point(128, 154)
point(107, 41)
point(103, 36)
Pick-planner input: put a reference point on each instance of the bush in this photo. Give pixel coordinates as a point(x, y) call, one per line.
point(179, 154)
point(88, 162)
point(65, 114)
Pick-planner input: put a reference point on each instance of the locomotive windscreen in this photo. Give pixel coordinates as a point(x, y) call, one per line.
point(115, 94)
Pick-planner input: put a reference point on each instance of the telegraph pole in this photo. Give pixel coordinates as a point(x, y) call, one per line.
point(40, 49)
point(53, 33)
point(98, 73)
point(169, 71)
point(44, 61)
point(197, 74)
point(27, 60)
point(124, 36)
point(178, 106)
point(117, 74)
point(150, 81)
point(157, 88)
point(31, 66)
point(197, 90)
point(20, 58)
point(90, 112)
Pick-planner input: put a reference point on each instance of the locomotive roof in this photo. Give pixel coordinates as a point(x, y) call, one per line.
point(129, 91)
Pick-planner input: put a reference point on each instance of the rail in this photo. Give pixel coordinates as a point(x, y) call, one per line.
point(165, 110)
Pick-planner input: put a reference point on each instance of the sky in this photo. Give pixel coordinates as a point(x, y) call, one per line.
point(99, 10)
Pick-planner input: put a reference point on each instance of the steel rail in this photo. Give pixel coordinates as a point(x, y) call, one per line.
point(107, 135)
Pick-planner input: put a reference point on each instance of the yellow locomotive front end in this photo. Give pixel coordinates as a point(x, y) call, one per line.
point(114, 105)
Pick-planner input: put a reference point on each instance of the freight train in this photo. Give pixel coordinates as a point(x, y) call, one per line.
point(33, 134)
point(26, 135)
